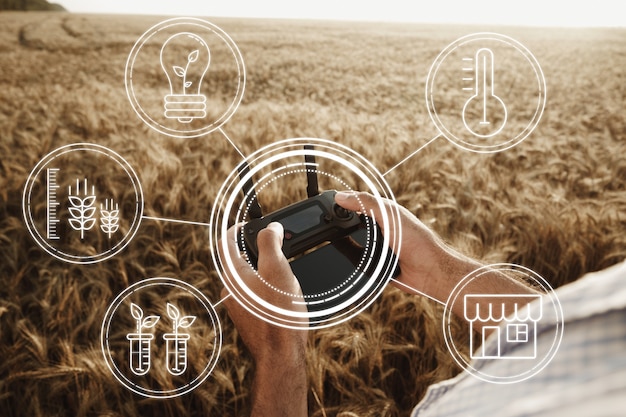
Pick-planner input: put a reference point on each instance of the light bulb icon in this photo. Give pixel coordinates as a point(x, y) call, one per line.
point(185, 59)
point(484, 114)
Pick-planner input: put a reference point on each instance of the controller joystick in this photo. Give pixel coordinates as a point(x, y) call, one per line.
point(342, 213)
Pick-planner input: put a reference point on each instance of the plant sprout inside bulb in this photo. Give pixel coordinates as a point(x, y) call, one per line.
point(185, 58)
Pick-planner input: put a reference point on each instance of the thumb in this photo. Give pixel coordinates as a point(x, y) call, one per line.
point(274, 268)
point(270, 239)
point(272, 264)
point(370, 205)
point(359, 201)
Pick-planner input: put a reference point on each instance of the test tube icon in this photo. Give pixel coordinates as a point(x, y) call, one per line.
point(140, 342)
point(176, 342)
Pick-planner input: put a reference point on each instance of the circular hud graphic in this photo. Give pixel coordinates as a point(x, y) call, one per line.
point(338, 280)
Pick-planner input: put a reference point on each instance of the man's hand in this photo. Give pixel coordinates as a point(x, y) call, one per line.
point(427, 264)
point(280, 384)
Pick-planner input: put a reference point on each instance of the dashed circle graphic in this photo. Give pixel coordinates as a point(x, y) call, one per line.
point(161, 337)
point(504, 330)
point(82, 203)
point(281, 173)
point(485, 92)
point(278, 160)
point(185, 77)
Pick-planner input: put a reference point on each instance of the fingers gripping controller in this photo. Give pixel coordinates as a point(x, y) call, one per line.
point(307, 224)
point(337, 253)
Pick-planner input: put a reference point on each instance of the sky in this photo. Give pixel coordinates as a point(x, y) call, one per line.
point(562, 13)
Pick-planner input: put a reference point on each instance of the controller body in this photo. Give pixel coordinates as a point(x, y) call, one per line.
point(306, 224)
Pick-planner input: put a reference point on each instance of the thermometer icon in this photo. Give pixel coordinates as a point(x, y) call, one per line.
point(484, 114)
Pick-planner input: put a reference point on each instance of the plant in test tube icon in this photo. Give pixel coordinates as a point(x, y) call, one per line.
point(176, 343)
point(140, 342)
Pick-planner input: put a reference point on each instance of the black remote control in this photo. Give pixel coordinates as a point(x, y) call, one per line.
point(306, 224)
point(333, 273)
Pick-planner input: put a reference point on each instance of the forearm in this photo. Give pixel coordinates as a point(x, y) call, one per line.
point(455, 267)
point(280, 388)
point(452, 266)
point(280, 380)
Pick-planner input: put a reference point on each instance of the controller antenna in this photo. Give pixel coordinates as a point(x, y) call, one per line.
point(254, 208)
point(312, 188)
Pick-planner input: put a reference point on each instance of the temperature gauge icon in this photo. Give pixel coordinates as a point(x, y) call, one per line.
point(485, 92)
point(484, 113)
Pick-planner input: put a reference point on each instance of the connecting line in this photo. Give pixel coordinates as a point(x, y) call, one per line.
point(175, 221)
point(232, 143)
point(411, 155)
point(402, 284)
point(223, 299)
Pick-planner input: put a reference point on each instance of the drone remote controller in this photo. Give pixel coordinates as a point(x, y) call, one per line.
point(322, 270)
point(306, 224)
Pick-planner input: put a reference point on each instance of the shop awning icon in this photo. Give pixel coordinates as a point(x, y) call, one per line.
point(509, 319)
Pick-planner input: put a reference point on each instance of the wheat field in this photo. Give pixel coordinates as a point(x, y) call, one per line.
point(556, 203)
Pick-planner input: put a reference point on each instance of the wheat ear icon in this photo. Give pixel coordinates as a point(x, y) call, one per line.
point(82, 210)
point(109, 217)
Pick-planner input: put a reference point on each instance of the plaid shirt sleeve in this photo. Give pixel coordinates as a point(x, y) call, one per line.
point(586, 377)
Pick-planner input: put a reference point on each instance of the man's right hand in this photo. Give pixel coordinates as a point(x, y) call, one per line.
point(427, 264)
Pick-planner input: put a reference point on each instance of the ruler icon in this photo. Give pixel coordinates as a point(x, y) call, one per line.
point(51, 203)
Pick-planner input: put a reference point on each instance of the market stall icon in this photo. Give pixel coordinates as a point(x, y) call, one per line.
point(520, 328)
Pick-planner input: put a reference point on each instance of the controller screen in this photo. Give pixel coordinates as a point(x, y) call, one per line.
point(302, 220)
